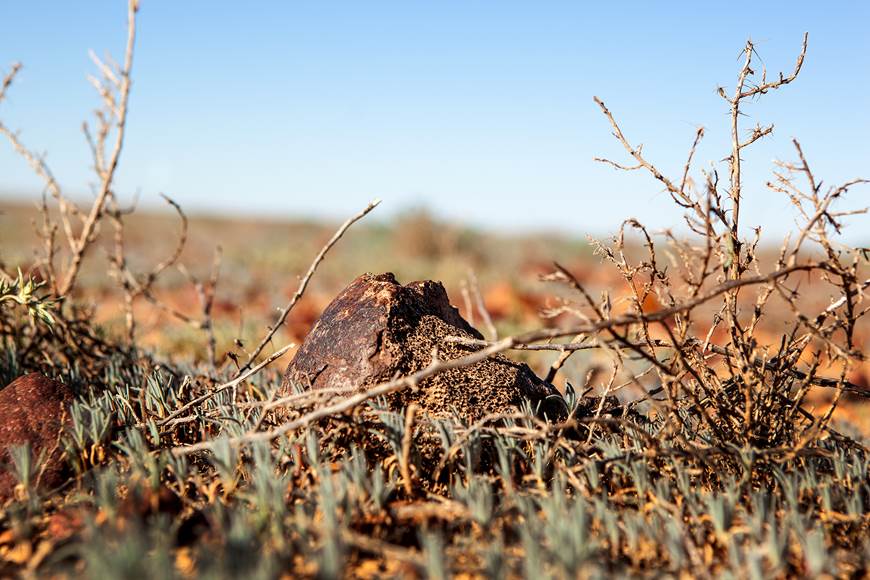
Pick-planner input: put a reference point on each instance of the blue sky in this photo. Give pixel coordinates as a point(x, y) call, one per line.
point(481, 111)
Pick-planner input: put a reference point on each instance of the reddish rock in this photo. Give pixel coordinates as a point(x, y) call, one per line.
point(377, 329)
point(31, 410)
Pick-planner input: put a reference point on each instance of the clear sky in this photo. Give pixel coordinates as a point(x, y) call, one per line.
point(481, 111)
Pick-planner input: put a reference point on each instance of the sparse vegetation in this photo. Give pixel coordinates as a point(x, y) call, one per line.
point(710, 463)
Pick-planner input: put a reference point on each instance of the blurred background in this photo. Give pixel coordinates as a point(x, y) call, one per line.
point(481, 112)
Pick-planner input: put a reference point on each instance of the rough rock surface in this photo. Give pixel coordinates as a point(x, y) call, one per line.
point(31, 410)
point(377, 329)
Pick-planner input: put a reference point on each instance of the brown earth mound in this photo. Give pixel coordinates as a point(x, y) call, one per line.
point(377, 329)
point(32, 408)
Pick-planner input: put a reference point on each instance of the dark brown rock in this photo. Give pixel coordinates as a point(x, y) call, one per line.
point(32, 409)
point(377, 329)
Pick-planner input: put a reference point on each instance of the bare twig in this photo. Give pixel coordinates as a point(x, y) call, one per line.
point(107, 171)
point(226, 386)
point(303, 284)
point(481, 306)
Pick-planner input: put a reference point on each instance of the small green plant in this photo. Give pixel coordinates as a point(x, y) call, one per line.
point(23, 292)
point(25, 467)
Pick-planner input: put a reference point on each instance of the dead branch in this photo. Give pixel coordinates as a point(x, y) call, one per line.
point(303, 284)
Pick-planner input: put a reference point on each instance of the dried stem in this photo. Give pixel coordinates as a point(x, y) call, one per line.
point(303, 284)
